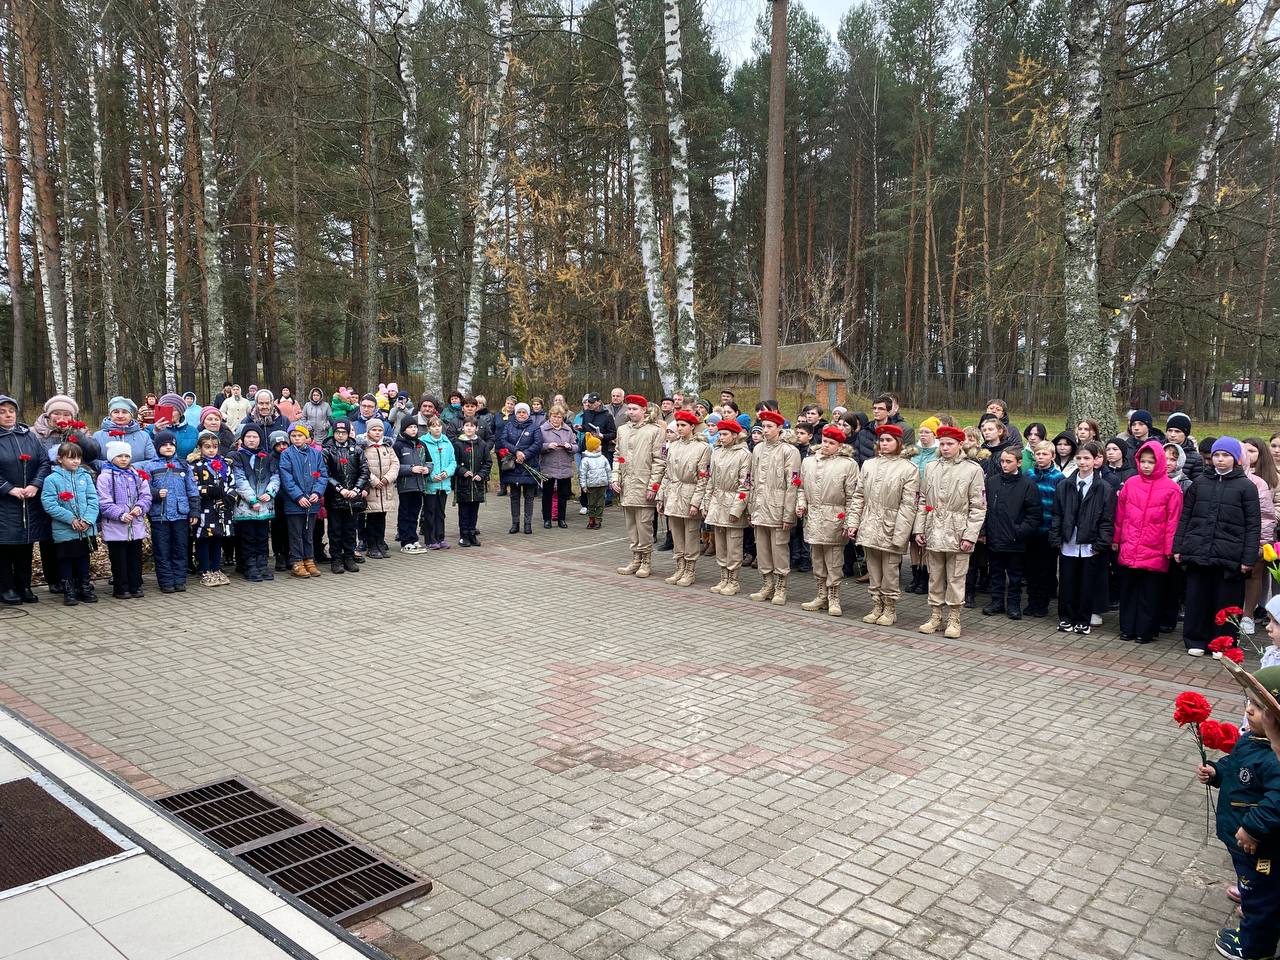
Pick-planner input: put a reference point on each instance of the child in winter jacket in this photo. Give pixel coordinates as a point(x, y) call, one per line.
point(415, 470)
point(1013, 517)
point(1041, 562)
point(304, 480)
point(384, 470)
point(593, 477)
point(257, 480)
point(174, 498)
point(1147, 514)
point(344, 497)
point(124, 497)
point(443, 464)
point(1084, 512)
point(211, 522)
point(71, 501)
point(471, 478)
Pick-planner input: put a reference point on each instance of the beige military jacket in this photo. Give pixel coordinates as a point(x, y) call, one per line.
point(729, 486)
point(775, 483)
point(884, 505)
point(826, 494)
point(638, 464)
point(684, 484)
point(952, 505)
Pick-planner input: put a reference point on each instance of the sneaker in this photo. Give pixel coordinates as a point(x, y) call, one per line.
point(1195, 652)
point(444, 545)
point(1065, 626)
point(1084, 628)
point(1095, 620)
point(582, 511)
point(1217, 655)
point(1246, 625)
point(1228, 944)
point(206, 578)
point(413, 548)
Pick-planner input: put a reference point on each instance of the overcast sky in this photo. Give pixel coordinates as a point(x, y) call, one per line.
point(734, 21)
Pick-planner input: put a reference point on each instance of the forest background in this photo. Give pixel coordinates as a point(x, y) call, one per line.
point(515, 197)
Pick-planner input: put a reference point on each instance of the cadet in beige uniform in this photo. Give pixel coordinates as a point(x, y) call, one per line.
point(825, 500)
point(725, 506)
point(952, 507)
point(684, 487)
point(637, 476)
point(884, 510)
point(775, 485)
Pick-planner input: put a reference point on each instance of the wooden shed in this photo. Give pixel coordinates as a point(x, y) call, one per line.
point(819, 370)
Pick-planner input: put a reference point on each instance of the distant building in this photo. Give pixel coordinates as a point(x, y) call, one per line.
point(819, 370)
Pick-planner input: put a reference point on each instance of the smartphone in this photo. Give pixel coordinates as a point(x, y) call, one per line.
point(164, 411)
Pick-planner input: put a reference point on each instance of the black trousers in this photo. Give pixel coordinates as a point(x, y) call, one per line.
point(407, 517)
point(522, 492)
point(1142, 599)
point(1040, 569)
point(49, 562)
point(342, 535)
point(979, 568)
point(15, 567)
point(1082, 588)
point(126, 566)
point(169, 545)
point(254, 537)
point(1175, 591)
point(433, 505)
point(375, 529)
point(301, 544)
point(1260, 904)
point(561, 488)
point(1209, 589)
point(1006, 568)
point(73, 562)
point(280, 532)
point(317, 536)
point(468, 514)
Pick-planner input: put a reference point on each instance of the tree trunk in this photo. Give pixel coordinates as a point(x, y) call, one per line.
point(646, 215)
point(423, 266)
point(686, 343)
point(1267, 244)
point(215, 317)
point(106, 253)
point(484, 205)
point(372, 339)
point(13, 222)
point(771, 282)
point(169, 199)
point(295, 210)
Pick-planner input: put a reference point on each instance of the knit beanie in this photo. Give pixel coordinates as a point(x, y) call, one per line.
point(1229, 445)
point(118, 447)
point(522, 406)
point(165, 436)
point(1179, 421)
point(1143, 415)
point(277, 436)
point(592, 443)
point(931, 424)
point(175, 401)
point(61, 400)
point(205, 411)
point(122, 403)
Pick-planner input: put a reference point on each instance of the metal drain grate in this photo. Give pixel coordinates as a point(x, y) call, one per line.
point(341, 879)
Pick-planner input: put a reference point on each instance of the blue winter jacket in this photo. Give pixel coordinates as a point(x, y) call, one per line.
point(172, 474)
point(443, 460)
point(255, 472)
point(302, 473)
point(139, 441)
point(82, 505)
point(1046, 482)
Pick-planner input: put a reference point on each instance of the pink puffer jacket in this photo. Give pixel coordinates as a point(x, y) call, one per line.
point(1267, 505)
point(1147, 516)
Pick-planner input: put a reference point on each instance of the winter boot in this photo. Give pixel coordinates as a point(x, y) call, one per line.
point(69, 594)
point(1013, 607)
point(833, 600)
point(264, 568)
point(731, 587)
point(336, 566)
point(312, 569)
point(766, 588)
point(632, 567)
point(953, 623)
point(686, 578)
point(667, 544)
point(779, 589)
point(646, 566)
point(819, 602)
point(282, 563)
point(993, 608)
point(724, 581)
point(677, 573)
point(889, 616)
point(877, 608)
point(351, 565)
point(935, 621)
point(300, 571)
point(84, 588)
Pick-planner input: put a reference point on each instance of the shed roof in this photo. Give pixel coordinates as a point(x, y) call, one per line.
point(807, 357)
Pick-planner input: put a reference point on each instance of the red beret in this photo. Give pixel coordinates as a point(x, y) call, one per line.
point(951, 433)
point(684, 416)
point(892, 429)
point(635, 398)
point(834, 432)
point(733, 426)
point(771, 416)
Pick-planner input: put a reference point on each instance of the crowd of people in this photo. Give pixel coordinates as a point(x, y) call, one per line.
point(1151, 523)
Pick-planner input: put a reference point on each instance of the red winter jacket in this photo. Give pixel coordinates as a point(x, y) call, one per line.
point(1147, 516)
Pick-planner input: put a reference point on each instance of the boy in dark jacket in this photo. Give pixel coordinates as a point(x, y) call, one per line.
point(1248, 782)
point(415, 470)
point(471, 479)
point(1041, 558)
point(1178, 430)
point(173, 502)
point(1217, 541)
point(1013, 516)
point(1084, 513)
point(303, 479)
point(344, 496)
point(801, 557)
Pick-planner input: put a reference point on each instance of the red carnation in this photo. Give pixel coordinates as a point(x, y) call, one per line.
point(1189, 707)
point(1219, 644)
point(839, 516)
point(1211, 734)
point(503, 452)
point(343, 460)
point(468, 450)
point(617, 459)
point(1226, 613)
point(24, 457)
point(795, 479)
point(262, 456)
point(928, 508)
point(66, 495)
point(171, 465)
point(77, 424)
point(316, 474)
point(144, 475)
point(216, 463)
point(656, 486)
point(1235, 655)
point(115, 433)
point(741, 495)
point(1228, 735)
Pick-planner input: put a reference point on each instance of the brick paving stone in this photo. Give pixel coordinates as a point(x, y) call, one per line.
point(664, 773)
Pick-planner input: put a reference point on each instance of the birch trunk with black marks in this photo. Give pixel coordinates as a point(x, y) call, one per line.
point(215, 315)
point(372, 338)
point(646, 215)
point(10, 140)
point(484, 205)
point(106, 255)
point(686, 346)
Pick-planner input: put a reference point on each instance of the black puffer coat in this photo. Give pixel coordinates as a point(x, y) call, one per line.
point(1221, 522)
point(19, 525)
point(348, 470)
point(1013, 512)
point(476, 458)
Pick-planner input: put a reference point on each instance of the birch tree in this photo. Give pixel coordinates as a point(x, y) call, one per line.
point(686, 346)
point(106, 255)
point(646, 213)
point(9, 140)
point(484, 204)
point(216, 346)
point(407, 20)
point(372, 339)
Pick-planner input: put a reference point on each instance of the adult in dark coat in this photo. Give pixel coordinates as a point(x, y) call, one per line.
point(24, 464)
point(1217, 541)
point(1013, 517)
point(597, 420)
point(518, 447)
point(266, 414)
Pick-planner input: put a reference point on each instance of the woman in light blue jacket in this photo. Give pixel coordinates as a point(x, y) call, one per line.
point(443, 465)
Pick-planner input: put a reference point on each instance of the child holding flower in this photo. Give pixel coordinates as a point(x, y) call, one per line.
point(124, 497)
point(71, 501)
point(1248, 818)
point(173, 498)
point(211, 519)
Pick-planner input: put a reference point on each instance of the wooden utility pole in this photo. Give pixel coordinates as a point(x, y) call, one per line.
point(772, 280)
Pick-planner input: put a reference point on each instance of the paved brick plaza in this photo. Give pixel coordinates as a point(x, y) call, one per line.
point(591, 766)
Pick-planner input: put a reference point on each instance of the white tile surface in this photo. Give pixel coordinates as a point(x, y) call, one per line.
point(32, 918)
point(11, 768)
point(301, 929)
point(119, 887)
point(84, 944)
point(242, 944)
point(168, 927)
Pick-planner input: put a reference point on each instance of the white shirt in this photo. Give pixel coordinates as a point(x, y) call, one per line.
point(1071, 548)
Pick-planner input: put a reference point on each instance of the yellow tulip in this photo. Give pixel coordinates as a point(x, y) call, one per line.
point(1268, 553)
